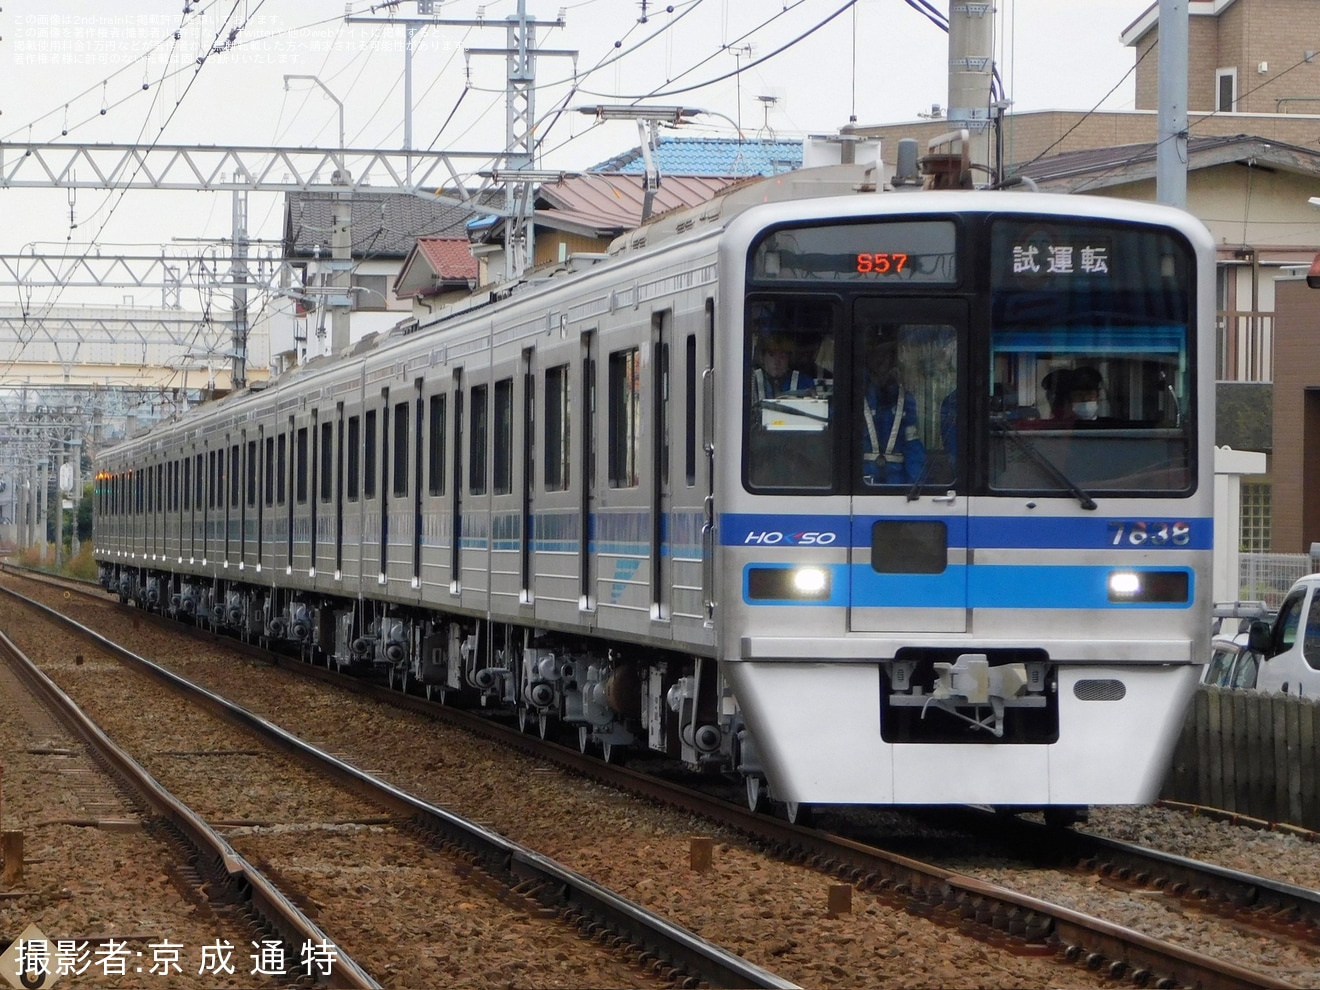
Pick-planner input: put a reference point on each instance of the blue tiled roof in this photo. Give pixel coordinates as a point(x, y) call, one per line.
point(711, 156)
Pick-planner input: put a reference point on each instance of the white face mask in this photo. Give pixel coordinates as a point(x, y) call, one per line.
point(1086, 410)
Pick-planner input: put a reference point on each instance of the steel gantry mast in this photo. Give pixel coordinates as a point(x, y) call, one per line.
point(518, 174)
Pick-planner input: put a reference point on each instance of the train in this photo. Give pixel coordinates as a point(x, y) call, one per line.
point(794, 487)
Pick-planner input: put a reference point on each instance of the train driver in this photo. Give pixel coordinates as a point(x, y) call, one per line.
point(776, 375)
point(892, 451)
point(1084, 393)
point(1074, 394)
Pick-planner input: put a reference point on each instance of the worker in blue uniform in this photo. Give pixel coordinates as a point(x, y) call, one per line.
point(776, 375)
point(892, 451)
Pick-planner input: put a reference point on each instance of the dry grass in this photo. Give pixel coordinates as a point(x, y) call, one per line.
point(42, 558)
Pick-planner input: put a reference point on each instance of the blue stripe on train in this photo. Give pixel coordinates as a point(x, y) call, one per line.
point(983, 586)
point(979, 532)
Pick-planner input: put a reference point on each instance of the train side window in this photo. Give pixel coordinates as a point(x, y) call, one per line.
point(269, 472)
point(557, 433)
point(300, 467)
point(625, 415)
point(690, 410)
point(401, 417)
point(503, 459)
point(187, 484)
point(354, 457)
point(436, 449)
point(327, 460)
point(235, 477)
point(281, 470)
point(251, 474)
point(369, 454)
point(210, 479)
point(199, 482)
point(477, 430)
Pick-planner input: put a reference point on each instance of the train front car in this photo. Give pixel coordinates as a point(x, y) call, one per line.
point(965, 537)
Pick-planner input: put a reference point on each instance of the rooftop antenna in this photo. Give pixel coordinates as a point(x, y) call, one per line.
point(739, 52)
point(767, 101)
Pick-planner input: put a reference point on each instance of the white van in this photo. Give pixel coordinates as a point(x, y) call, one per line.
point(1291, 645)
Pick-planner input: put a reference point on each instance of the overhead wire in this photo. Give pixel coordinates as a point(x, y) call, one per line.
point(116, 196)
point(1146, 149)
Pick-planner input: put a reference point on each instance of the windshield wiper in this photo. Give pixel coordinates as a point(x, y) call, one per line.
point(1050, 468)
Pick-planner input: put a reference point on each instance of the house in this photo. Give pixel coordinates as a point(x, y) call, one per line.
point(436, 271)
point(1254, 162)
point(581, 214)
point(383, 235)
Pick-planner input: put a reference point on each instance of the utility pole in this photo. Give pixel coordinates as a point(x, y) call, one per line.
point(1171, 147)
point(40, 509)
point(238, 271)
point(58, 452)
point(971, 70)
point(74, 544)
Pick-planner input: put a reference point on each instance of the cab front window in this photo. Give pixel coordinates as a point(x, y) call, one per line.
point(1091, 363)
point(789, 394)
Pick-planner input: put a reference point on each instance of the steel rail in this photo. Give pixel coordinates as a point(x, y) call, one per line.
point(1000, 913)
point(240, 877)
point(921, 888)
point(533, 875)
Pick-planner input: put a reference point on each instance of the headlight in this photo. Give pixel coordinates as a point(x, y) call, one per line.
point(1172, 587)
point(810, 580)
point(1123, 585)
point(788, 584)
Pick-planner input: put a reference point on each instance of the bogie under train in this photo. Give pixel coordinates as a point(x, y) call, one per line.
point(874, 498)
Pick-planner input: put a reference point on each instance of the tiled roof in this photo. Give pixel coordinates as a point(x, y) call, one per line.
point(711, 156)
point(384, 226)
point(449, 257)
point(1097, 167)
point(434, 264)
point(602, 205)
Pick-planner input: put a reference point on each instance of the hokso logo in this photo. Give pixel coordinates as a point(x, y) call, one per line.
point(771, 537)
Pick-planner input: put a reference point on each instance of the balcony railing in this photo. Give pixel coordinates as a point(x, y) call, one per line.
point(1244, 346)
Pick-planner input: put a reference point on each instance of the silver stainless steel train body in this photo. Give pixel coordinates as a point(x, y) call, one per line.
point(873, 498)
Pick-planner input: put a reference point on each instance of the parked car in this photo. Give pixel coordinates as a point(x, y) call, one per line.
point(1290, 645)
point(1233, 664)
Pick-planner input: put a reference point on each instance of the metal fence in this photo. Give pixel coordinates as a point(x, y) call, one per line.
point(1266, 577)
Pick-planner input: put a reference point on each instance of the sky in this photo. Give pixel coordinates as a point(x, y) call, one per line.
point(212, 72)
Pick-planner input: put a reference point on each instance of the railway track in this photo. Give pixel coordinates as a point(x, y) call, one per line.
point(203, 856)
point(973, 907)
point(516, 887)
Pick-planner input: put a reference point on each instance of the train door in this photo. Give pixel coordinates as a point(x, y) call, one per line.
point(908, 547)
point(527, 506)
point(338, 496)
point(419, 467)
point(456, 493)
point(662, 494)
point(234, 532)
point(587, 462)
